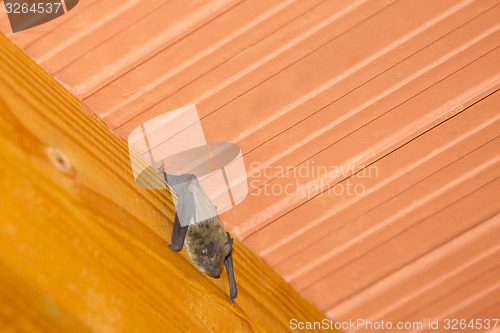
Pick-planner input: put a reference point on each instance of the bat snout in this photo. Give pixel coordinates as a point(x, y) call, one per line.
point(214, 271)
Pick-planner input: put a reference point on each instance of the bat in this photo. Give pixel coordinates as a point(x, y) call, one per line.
point(198, 226)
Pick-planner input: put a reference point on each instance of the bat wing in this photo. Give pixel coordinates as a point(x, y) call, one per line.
point(186, 208)
point(178, 183)
point(185, 213)
point(178, 235)
point(228, 262)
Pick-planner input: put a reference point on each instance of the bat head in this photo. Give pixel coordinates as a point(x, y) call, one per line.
point(206, 245)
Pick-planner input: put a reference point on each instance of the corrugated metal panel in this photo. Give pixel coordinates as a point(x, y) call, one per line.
point(385, 111)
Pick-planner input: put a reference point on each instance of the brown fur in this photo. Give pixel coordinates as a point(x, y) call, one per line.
point(201, 233)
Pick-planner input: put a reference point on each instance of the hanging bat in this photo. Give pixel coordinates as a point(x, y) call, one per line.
point(198, 226)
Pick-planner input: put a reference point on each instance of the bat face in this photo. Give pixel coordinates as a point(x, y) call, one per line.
point(205, 244)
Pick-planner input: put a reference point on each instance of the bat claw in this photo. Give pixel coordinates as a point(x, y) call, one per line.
point(174, 247)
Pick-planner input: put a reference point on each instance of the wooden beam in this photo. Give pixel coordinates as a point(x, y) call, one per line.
point(83, 248)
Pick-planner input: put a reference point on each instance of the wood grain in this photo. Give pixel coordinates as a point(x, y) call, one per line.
point(83, 248)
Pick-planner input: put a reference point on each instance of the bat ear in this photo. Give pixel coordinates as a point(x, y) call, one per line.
point(229, 244)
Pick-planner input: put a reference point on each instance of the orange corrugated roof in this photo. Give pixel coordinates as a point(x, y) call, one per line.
point(388, 108)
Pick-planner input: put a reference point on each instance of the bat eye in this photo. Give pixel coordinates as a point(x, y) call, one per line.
point(209, 249)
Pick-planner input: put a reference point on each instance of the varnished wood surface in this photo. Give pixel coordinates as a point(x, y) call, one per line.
point(82, 248)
